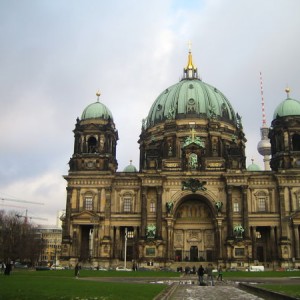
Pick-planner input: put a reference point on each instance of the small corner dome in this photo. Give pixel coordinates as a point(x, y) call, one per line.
point(130, 168)
point(96, 110)
point(288, 107)
point(253, 167)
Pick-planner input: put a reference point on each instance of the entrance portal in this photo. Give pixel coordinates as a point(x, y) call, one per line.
point(85, 251)
point(194, 230)
point(194, 253)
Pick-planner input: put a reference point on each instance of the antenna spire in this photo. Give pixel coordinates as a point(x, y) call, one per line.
point(264, 121)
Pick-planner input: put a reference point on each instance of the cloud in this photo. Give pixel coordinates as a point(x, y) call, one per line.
point(55, 55)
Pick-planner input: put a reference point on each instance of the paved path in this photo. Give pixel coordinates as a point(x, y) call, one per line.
point(193, 292)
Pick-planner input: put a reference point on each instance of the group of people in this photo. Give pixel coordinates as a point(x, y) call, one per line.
point(209, 272)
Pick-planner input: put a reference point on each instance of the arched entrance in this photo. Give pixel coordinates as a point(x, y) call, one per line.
point(194, 230)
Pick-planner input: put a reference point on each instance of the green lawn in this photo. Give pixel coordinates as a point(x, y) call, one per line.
point(271, 274)
point(290, 289)
point(61, 284)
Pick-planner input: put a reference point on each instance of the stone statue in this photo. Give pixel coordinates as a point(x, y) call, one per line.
point(169, 206)
point(151, 230)
point(219, 205)
point(238, 231)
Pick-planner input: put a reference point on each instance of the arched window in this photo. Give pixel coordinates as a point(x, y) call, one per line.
point(92, 144)
point(296, 142)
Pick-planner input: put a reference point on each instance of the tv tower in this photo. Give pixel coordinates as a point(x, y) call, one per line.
point(264, 145)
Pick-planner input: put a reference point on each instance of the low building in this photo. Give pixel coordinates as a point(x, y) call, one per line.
point(51, 236)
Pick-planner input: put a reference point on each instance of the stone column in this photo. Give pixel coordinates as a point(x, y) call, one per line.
point(159, 213)
point(245, 211)
point(296, 239)
point(170, 234)
point(144, 213)
point(229, 212)
point(220, 254)
point(67, 225)
point(283, 221)
point(117, 243)
point(98, 200)
point(78, 199)
point(254, 256)
point(107, 213)
point(273, 243)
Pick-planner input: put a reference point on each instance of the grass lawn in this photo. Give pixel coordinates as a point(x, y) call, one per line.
point(61, 284)
point(270, 274)
point(288, 289)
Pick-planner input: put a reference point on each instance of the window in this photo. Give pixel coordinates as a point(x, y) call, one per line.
point(92, 145)
point(152, 207)
point(239, 251)
point(296, 142)
point(261, 203)
point(130, 234)
point(127, 204)
point(88, 203)
point(236, 207)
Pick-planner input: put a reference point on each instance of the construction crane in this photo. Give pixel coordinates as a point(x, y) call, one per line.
point(26, 217)
point(23, 201)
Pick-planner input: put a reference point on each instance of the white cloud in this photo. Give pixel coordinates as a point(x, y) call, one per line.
point(55, 55)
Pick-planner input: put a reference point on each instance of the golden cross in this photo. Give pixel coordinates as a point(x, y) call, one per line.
point(190, 46)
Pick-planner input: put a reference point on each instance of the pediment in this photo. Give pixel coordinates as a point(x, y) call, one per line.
point(85, 216)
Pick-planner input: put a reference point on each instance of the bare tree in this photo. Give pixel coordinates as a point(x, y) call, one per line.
point(19, 240)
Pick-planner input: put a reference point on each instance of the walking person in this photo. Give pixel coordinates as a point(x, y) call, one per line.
point(77, 270)
point(210, 276)
point(200, 275)
point(220, 274)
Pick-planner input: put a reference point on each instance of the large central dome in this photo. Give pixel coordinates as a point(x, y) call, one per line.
point(191, 97)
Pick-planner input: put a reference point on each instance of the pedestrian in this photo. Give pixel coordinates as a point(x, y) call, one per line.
point(77, 270)
point(3, 267)
point(8, 268)
point(210, 276)
point(220, 273)
point(200, 275)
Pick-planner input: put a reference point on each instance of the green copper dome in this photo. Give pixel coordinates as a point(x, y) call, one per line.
point(96, 110)
point(289, 107)
point(190, 98)
point(130, 168)
point(253, 167)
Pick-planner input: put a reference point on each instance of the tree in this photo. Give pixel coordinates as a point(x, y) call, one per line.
point(19, 240)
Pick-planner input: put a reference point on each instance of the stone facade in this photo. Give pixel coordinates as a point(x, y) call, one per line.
point(192, 199)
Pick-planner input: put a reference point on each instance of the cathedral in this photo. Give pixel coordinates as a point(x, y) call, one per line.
point(192, 199)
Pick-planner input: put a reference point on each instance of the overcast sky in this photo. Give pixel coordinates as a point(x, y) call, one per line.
point(55, 55)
